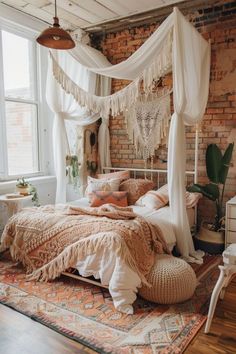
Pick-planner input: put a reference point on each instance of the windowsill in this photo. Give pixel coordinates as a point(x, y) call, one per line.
point(34, 180)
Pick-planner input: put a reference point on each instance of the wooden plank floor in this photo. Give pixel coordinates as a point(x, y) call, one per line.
point(21, 335)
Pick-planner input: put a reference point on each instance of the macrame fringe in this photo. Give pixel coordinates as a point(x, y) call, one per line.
point(6, 239)
point(72, 254)
point(119, 101)
point(147, 122)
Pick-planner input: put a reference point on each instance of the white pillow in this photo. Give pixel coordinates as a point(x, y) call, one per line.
point(155, 199)
point(107, 185)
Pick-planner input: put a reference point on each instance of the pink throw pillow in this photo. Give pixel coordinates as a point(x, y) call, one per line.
point(122, 175)
point(99, 198)
point(136, 188)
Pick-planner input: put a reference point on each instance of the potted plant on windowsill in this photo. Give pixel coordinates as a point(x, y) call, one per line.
point(211, 234)
point(25, 188)
point(22, 186)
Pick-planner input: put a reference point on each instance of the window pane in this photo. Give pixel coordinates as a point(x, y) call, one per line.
point(17, 66)
point(22, 138)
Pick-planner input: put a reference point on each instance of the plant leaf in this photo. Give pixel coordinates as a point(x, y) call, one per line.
point(211, 191)
point(225, 162)
point(213, 162)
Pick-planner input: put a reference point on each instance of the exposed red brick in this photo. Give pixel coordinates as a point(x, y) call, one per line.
point(220, 115)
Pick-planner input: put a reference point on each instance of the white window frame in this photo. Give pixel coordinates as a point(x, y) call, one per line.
point(39, 101)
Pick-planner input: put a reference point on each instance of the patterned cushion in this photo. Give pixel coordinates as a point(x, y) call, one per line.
point(108, 185)
point(123, 175)
point(192, 199)
point(99, 198)
point(136, 188)
point(155, 199)
point(158, 199)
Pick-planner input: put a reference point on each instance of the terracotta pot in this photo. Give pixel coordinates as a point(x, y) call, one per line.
point(23, 190)
point(212, 242)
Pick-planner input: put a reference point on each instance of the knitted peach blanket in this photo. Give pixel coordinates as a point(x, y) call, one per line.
point(50, 239)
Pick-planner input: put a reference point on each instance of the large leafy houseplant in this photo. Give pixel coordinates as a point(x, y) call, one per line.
point(217, 167)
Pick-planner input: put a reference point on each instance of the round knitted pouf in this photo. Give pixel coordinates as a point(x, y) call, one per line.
point(173, 280)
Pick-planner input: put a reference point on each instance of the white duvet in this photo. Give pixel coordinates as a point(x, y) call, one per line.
point(122, 281)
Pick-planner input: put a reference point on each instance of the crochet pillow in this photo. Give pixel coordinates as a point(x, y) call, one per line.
point(136, 188)
point(108, 185)
point(155, 199)
point(122, 175)
point(99, 198)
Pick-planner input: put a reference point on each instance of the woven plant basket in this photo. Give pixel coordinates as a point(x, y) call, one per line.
point(210, 241)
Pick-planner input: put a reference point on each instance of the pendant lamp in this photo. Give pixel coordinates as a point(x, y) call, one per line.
point(55, 37)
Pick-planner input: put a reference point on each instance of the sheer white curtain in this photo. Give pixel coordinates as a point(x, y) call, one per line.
point(131, 68)
point(65, 107)
point(191, 68)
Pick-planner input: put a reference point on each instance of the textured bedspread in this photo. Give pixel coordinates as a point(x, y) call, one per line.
point(50, 239)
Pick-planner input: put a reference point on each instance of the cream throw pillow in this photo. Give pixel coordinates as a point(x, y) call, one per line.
point(155, 199)
point(192, 199)
point(158, 199)
point(107, 185)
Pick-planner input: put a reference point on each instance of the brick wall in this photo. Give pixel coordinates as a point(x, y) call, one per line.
point(217, 23)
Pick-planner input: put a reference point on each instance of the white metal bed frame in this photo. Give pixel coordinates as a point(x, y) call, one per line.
point(147, 172)
point(193, 173)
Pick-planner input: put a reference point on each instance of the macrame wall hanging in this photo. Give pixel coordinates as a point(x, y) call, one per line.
point(147, 122)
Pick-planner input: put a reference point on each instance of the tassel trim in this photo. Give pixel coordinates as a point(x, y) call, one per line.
point(72, 254)
point(116, 103)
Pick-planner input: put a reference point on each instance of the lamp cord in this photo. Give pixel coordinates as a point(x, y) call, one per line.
point(55, 8)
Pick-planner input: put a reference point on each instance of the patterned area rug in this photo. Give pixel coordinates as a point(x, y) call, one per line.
point(86, 314)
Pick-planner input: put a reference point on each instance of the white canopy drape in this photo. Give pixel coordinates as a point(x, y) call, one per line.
point(65, 107)
point(191, 70)
point(177, 44)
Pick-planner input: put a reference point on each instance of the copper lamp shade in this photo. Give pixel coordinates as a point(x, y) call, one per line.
point(56, 37)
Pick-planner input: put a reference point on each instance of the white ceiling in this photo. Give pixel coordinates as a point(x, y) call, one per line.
point(87, 14)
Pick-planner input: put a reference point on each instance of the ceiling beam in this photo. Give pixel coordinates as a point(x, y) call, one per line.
point(147, 17)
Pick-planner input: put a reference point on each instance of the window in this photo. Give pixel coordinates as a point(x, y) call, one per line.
point(19, 96)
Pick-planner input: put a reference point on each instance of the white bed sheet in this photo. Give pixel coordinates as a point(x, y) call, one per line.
point(113, 272)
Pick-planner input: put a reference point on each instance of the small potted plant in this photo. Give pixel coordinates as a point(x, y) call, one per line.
point(22, 186)
point(25, 188)
point(211, 234)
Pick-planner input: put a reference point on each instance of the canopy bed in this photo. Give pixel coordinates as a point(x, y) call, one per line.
point(176, 46)
point(118, 246)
